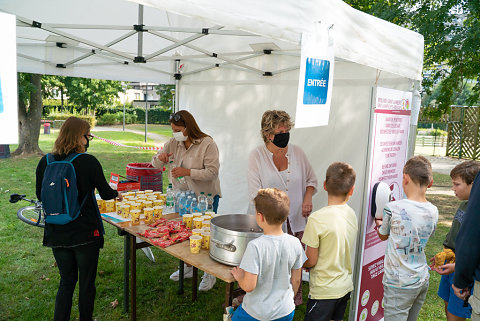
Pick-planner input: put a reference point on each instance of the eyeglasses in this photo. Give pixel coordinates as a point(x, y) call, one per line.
point(175, 117)
point(88, 137)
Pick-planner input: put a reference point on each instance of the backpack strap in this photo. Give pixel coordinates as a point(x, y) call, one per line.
point(50, 158)
point(72, 156)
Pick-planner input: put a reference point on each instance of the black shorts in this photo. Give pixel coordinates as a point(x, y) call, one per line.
point(326, 310)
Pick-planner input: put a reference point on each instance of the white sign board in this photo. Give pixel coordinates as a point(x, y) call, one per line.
point(8, 80)
point(316, 79)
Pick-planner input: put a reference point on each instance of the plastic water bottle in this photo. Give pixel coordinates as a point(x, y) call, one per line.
point(194, 206)
point(170, 205)
point(209, 203)
point(182, 202)
point(202, 203)
point(188, 205)
point(172, 165)
point(176, 200)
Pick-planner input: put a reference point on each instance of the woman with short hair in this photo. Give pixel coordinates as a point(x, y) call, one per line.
point(283, 166)
point(76, 245)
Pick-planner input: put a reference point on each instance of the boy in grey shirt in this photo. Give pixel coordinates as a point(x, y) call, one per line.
point(271, 267)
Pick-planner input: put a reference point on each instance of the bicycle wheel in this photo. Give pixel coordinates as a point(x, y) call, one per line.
point(31, 215)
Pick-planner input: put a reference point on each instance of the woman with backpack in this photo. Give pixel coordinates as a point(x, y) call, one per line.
point(75, 240)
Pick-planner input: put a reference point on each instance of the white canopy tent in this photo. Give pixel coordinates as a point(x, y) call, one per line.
point(231, 61)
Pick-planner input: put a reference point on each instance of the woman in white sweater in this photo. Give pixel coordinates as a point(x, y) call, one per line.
point(283, 166)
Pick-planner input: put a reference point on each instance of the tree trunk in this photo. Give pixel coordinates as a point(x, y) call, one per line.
point(29, 120)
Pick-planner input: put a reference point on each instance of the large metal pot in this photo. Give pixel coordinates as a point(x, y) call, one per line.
point(230, 235)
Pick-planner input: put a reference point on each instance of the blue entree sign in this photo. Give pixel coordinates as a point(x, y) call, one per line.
point(1, 98)
point(315, 90)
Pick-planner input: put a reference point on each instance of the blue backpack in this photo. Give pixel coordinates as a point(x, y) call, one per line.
point(59, 191)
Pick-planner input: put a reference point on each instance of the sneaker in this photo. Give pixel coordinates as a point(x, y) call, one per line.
point(187, 273)
point(208, 281)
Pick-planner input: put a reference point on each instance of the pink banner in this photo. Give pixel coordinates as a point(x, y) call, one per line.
point(388, 155)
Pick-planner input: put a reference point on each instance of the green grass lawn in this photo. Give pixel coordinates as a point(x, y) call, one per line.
point(164, 130)
point(29, 279)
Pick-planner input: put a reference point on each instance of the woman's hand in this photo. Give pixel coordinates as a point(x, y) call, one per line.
point(180, 171)
point(307, 205)
point(120, 197)
point(163, 157)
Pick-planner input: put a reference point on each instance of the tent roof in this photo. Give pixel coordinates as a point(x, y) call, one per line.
point(98, 39)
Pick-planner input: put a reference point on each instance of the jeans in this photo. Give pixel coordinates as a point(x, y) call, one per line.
point(76, 263)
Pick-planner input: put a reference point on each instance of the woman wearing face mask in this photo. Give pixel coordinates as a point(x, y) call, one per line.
point(283, 166)
point(195, 156)
point(76, 245)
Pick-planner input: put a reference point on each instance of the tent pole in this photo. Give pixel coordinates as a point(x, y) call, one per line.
point(357, 271)
point(146, 110)
point(177, 84)
point(124, 101)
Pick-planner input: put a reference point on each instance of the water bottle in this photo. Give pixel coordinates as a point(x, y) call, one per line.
point(194, 206)
point(176, 198)
point(170, 205)
point(188, 205)
point(181, 179)
point(209, 203)
point(182, 202)
point(202, 203)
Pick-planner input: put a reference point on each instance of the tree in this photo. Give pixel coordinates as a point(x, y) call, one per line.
point(30, 108)
point(90, 93)
point(166, 95)
point(451, 30)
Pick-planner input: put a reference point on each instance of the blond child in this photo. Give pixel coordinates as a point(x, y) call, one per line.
point(330, 237)
point(271, 267)
point(407, 224)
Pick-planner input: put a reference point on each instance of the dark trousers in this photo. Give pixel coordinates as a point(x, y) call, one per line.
point(76, 263)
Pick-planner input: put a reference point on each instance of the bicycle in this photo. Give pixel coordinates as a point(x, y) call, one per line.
point(32, 214)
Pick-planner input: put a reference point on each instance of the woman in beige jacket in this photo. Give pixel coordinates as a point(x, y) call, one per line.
point(195, 156)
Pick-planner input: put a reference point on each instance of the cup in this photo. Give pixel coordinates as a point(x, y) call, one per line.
point(212, 214)
point(110, 206)
point(124, 211)
point(206, 229)
point(197, 222)
point(188, 220)
point(135, 206)
point(148, 191)
point(205, 240)
point(163, 197)
point(195, 244)
point(157, 203)
point(149, 218)
point(158, 211)
point(101, 205)
point(197, 231)
point(207, 217)
point(205, 224)
point(148, 203)
point(197, 215)
point(135, 216)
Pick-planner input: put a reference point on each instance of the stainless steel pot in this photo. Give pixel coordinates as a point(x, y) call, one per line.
point(229, 236)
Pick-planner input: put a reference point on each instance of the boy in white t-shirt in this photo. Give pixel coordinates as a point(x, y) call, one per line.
point(271, 268)
point(407, 224)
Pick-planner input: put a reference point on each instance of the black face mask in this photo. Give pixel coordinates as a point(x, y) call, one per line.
point(87, 144)
point(281, 140)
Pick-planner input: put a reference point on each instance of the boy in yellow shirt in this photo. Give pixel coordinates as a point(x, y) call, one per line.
point(330, 237)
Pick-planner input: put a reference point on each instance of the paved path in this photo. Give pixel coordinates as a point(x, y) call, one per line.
point(156, 137)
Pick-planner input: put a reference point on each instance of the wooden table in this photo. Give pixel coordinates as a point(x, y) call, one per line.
point(181, 251)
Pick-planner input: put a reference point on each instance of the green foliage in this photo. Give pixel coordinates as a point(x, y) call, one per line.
point(63, 116)
point(117, 118)
point(166, 94)
point(155, 115)
point(432, 132)
point(452, 45)
point(85, 93)
point(25, 87)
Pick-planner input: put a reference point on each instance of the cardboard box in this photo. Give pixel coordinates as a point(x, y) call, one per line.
point(116, 184)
